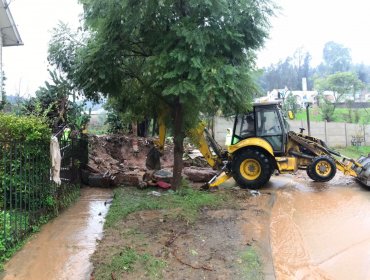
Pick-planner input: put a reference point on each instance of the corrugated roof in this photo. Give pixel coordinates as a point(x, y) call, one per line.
point(8, 29)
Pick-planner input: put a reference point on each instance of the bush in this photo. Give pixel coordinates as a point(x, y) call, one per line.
point(23, 129)
point(5, 236)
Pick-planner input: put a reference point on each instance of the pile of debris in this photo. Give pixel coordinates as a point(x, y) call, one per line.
point(121, 160)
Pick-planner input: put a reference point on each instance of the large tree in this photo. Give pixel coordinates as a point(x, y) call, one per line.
point(55, 101)
point(337, 58)
point(288, 73)
point(340, 84)
point(180, 56)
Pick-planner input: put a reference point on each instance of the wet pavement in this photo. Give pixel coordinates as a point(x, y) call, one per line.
point(62, 248)
point(320, 230)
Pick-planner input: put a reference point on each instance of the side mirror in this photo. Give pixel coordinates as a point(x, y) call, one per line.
point(291, 115)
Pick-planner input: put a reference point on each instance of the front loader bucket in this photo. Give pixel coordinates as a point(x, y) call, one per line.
point(363, 173)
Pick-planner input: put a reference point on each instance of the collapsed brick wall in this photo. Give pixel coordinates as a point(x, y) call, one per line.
point(120, 159)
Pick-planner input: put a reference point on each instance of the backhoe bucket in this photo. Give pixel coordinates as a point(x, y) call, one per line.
point(363, 173)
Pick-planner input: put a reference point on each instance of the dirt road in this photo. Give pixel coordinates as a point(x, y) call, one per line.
point(62, 248)
point(320, 231)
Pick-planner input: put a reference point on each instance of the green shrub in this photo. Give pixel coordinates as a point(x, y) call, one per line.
point(23, 129)
point(5, 235)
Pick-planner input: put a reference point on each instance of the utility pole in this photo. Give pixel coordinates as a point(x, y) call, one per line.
point(308, 118)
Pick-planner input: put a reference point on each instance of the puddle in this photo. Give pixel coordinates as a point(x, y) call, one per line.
point(320, 231)
point(62, 248)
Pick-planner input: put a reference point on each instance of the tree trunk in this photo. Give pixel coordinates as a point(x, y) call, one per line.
point(178, 136)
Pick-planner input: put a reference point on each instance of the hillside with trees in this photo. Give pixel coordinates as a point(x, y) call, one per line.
point(336, 73)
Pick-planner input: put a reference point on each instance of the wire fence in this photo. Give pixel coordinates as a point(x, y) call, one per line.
point(27, 195)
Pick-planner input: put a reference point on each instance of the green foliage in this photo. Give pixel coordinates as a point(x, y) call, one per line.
point(288, 73)
point(341, 84)
point(5, 236)
point(327, 109)
point(183, 57)
point(24, 129)
point(66, 195)
point(353, 115)
point(115, 121)
point(63, 45)
point(290, 104)
point(149, 55)
point(25, 189)
point(337, 58)
point(3, 102)
point(52, 103)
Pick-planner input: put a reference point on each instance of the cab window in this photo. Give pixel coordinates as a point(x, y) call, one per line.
point(245, 127)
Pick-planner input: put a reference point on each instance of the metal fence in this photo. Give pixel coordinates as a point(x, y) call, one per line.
point(74, 154)
point(27, 195)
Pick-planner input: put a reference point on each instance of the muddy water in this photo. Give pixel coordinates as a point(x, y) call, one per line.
point(320, 231)
point(62, 248)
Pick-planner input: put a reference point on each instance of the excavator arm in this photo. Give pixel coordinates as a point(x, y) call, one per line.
point(199, 137)
point(347, 166)
point(208, 147)
point(159, 143)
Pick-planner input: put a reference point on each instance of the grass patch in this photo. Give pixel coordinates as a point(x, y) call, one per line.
point(124, 261)
point(129, 260)
point(130, 200)
point(251, 265)
point(139, 246)
point(354, 152)
point(340, 115)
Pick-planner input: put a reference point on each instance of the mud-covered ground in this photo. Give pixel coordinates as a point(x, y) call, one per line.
point(292, 229)
point(298, 228)
point(221, 244)
point(320, 230)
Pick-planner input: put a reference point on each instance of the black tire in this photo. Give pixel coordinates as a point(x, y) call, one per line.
point(322, 169)
point(309, 173)
point(251, 169)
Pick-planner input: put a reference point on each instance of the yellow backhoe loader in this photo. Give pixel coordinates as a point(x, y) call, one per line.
point(262, 143)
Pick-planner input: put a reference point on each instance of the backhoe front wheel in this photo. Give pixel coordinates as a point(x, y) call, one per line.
point(322, 169)
point(251, 169)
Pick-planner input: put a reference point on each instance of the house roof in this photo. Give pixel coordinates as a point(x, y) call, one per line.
point(8, 29)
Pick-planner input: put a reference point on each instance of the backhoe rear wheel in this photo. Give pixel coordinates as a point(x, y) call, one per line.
point(322, 169)
point(251, 169)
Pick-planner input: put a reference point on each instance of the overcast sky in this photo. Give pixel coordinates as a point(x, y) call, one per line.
point(312, 23)
point(300, 23)
point(25, 66)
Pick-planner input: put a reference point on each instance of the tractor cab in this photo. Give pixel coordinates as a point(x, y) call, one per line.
point(264, 121)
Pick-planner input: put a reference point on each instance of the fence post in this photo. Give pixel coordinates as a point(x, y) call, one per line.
point(345, 133)
point(326, 134)
point(364, 128)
